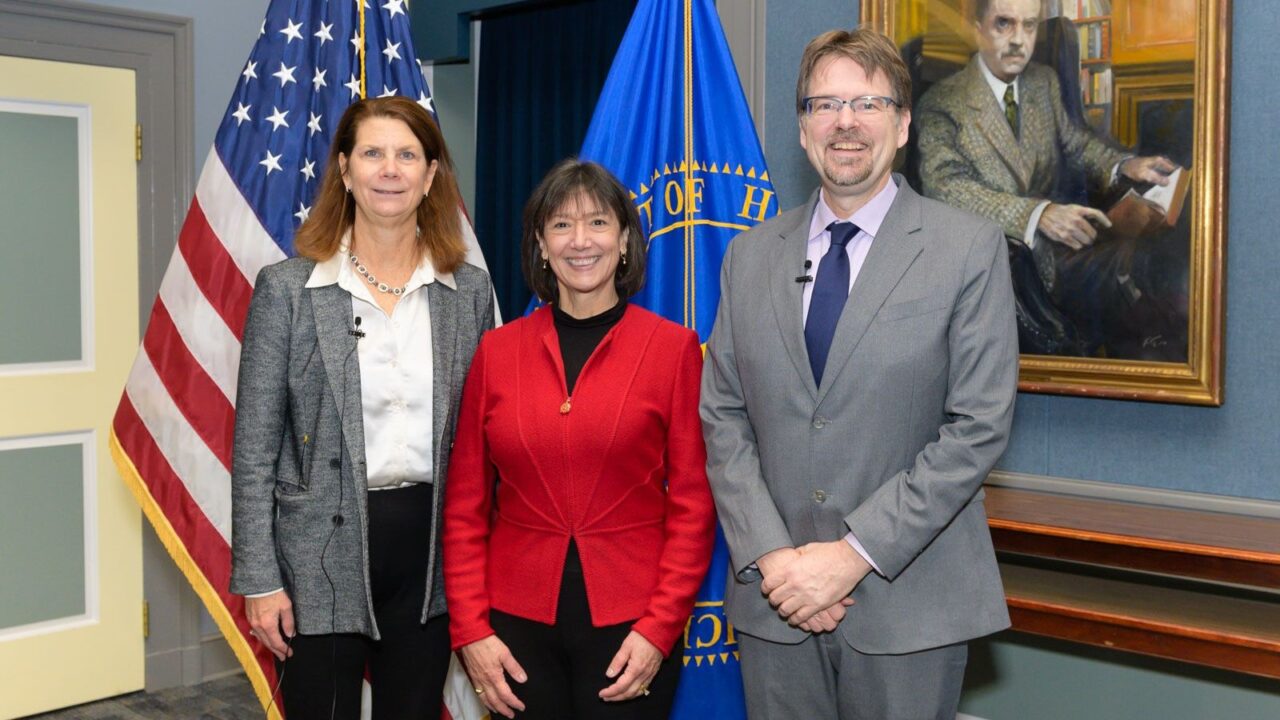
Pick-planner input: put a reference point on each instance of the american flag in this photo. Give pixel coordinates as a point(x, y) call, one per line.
point(171, 435)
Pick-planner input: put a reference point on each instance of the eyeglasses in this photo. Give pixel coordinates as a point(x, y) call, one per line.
point(867, 106)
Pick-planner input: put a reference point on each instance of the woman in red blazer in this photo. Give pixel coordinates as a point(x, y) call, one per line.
point(578, 523)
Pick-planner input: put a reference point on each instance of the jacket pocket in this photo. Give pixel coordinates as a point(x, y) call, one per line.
point(911, 308)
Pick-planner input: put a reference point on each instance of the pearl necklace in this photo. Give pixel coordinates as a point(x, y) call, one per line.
point(364, 272)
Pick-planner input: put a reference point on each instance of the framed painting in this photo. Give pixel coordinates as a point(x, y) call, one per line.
point(1094, 133)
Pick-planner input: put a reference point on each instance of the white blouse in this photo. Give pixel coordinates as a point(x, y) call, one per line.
point(396, 371)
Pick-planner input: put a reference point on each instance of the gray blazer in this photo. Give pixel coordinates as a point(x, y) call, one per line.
point(299, 456)
point(913, 411)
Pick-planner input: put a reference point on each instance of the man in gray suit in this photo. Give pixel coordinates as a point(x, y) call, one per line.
point(852, 413)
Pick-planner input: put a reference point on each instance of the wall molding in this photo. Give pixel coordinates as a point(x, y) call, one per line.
point(1136, 494)
point(744, 29)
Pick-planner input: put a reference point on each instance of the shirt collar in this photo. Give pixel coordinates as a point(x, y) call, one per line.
point(997, 85)
point(868, 218)
point(338, 270)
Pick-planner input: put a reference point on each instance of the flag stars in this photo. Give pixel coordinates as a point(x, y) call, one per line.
point(242, 113)
point(353, 85)
point(314, 124)
point(393, 7)
point(355, 40)
point(271, 162)
point(250, 71)
point(277, 118)
point(308, 169)
point(392, 51)
point(388, 92)
point(325, 33)
point(291, 31)
point(317, 80)
point(426, 102)
point(285, 74)
point(262, 29)
point(304, 211)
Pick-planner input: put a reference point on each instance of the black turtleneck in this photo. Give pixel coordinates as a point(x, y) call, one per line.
point(580, 336)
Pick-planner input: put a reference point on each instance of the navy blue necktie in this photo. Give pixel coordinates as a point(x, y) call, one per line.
point(830, 290)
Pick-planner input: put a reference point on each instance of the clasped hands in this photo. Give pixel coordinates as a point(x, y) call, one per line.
point(810, 586)
point(489, 662)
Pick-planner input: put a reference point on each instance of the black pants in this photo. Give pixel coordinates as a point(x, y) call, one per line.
point(407, 666)
point(566, 662)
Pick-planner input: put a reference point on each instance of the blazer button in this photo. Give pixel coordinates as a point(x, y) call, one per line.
point(335, 463)
point(819, 496)
point(819, 423)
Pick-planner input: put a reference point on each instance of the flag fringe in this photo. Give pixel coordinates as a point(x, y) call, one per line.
point(203, 588)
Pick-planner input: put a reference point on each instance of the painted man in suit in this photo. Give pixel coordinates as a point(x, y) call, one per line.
point(852, 413)
point(995, 140)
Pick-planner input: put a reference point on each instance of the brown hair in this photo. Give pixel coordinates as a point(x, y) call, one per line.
point(872, 50)
point(566, 182)
point(440, 230)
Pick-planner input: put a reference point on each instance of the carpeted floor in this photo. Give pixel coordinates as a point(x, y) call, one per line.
point(229, 698)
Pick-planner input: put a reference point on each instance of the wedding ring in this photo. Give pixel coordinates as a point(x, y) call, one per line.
point(479, 690)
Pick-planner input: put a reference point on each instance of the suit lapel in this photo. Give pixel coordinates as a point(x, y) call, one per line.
point(332, 308)
point(443, 303)
point(787, 256)
point(894, 249)
point(994, 125)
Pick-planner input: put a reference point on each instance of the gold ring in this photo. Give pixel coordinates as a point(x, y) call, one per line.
point(644, 690)
point(479, 690)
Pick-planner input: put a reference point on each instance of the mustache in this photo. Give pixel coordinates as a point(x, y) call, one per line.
point(848, 136)
point(1013, 54)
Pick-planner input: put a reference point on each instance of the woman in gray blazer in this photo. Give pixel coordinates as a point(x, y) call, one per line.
point(353, 360)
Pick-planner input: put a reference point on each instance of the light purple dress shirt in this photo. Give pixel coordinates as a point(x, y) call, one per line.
point(868, 218)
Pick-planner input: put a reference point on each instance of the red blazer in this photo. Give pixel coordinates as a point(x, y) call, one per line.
point(623, 473)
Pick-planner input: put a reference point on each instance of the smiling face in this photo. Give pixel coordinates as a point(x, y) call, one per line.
point(583, 243)
point(1007, 35)
point(387, 172)
point(852, 153)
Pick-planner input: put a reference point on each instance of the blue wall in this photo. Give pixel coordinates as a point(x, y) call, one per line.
point(1231, 450)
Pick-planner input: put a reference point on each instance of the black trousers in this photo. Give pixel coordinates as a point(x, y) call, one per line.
point(566, 662)
point(407, 666)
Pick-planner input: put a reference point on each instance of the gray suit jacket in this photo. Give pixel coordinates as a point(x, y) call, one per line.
point(913, 411)
point(970, 158)
point(299, 455)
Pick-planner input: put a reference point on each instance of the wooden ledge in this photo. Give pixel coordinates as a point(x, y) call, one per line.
point(1186, 543)
point(1165, 615)
point(1231, 633)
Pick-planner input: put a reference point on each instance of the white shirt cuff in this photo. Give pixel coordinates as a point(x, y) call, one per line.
point(1029, 237)
point(273, 592)
point(857, 547)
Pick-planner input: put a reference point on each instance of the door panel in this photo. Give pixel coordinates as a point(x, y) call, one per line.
point(71, 627)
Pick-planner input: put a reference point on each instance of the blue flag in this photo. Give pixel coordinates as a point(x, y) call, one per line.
point(672, 124)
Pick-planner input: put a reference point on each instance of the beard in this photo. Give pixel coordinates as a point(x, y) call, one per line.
point(852, 171)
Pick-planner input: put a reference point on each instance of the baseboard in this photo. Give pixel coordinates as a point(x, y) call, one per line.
point(1133, 493)
point(962, 716)
point(216, 658)
point(173, 668)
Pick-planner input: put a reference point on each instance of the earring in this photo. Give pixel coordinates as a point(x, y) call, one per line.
point(348, 188)
point(545, 265)
point(624, 259)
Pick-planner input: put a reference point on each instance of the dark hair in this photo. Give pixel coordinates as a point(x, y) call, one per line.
point(566, 182)
point(980, 8)
point(872, 50)
point(440, 230)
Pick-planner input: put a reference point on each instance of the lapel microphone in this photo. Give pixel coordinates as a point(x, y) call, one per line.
point(806, 278)
point(356, 332)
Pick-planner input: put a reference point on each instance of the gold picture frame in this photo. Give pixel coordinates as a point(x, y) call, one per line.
point(1161, 70)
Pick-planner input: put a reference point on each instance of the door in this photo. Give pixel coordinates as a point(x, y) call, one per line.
point(71, 613)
